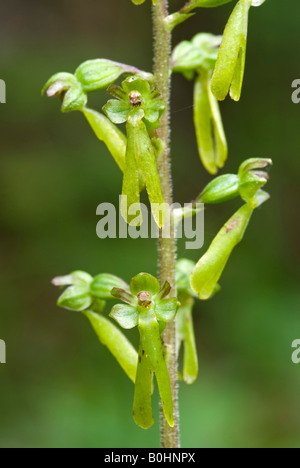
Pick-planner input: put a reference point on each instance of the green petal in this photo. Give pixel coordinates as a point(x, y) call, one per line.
point(136, 83)
point(98, 74)
point(125, 315)
point(75, 298)
point(144, 282)
point(116, 342)
point(103, 284)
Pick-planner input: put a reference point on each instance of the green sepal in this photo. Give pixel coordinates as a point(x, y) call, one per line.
point(125, 315)
point(230, 66)
point(144, 282)
point(76, 298)
point(211, 139)
point(77, 278)
point(99, 74)
point(107, 132)
point(116, 342)
point(102, 285)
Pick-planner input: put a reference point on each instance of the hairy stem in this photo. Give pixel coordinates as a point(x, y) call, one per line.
point(167, 247)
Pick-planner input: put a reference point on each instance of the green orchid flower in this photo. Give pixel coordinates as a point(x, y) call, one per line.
point(147, 308)
point(139, 105)
point(94, 75)
point(88, 295)
point(246, 183)
point(198, 57)
point(230, 66)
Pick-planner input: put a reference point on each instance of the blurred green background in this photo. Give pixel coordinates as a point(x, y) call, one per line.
point(59, 388)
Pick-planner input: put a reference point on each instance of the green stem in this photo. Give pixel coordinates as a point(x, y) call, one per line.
point(167, 247)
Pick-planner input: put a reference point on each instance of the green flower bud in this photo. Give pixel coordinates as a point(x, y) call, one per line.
point(68, 89)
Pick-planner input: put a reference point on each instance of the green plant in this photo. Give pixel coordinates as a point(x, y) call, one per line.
point(162, 309)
